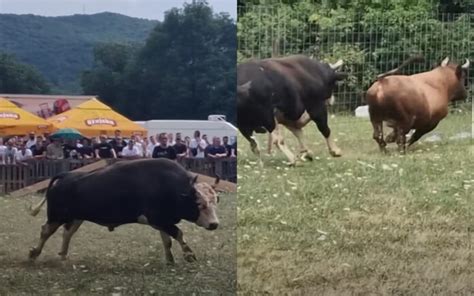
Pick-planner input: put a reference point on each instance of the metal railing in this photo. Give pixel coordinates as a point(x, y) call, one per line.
point(17, 176)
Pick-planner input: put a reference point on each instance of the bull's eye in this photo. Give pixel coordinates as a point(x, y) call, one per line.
point(202, 206)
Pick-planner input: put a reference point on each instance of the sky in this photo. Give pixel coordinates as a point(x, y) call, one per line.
point(149, 9)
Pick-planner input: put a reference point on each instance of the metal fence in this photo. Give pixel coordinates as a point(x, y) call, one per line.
point(369, 43)
point(17, 176)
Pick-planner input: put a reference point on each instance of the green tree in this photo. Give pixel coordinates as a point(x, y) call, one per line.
point(16, 77)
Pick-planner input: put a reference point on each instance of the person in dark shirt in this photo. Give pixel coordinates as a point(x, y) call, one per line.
point(86, 150)
point(216, 150)
point(104, 149)
point(163, 150)
point(39, 149)
point(118, 143)
point(228, 147)
point(68, 147)
point(180, 147)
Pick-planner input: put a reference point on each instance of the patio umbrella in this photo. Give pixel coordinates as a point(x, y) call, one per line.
point(68, 134)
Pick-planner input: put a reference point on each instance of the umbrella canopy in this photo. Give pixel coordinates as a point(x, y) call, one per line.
point(93, 118)
point(16, 121)
point(68, 134)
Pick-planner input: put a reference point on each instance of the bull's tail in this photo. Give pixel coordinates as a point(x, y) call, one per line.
point(33, 211)
point(413, 59)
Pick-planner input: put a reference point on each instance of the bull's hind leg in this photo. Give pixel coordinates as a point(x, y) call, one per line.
point(279, 142)
point(47, 230)
point(378, 135)
point(69, 230)
point(305, 154)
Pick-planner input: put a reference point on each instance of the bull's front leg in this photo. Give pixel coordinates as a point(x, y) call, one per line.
point(320, 116)
point(167, 247)
point(176, 233)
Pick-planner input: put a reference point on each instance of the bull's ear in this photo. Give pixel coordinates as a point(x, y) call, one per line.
point(194, 180)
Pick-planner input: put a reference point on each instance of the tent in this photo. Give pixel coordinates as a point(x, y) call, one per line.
point(93, 118)
point(15, 121)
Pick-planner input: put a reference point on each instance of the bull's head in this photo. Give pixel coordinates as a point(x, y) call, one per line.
point(459, 91)
point(207, 199)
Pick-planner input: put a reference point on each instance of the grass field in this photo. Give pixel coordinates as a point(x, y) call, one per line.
point(128, 261)
point(362, 224)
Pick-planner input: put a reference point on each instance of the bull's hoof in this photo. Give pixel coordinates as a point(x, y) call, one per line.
point(62, 256)
point(190, 257)
point(34, 253)
point(170, 261)
point(336, 153)
point(306, 156)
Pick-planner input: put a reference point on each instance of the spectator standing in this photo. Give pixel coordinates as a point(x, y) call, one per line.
point(39, 148)
point(55, 149)
point(68, 148)
point(31, 140)
point(136, 139)
point(162, 150)
point(86, 150)
point(10, 152)
point(171, 141)
point(228, 147)
point(204, 137)
point(216, 150)
point(180, 148)
point(2, 151)
point(118, 143)
point(150, 147)
point(131, 151)
point(23, 154)
point(104, 149)
point(197, 145)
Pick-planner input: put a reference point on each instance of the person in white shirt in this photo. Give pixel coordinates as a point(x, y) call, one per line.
point(10, 152)
point(138, 144)
point(31, 140)
point(197, 145)
point(23, 154)
point(2, 151)
point(131, 150)
point(171, 141)
point(151, 146)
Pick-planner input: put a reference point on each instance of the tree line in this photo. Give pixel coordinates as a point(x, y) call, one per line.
point(184, 70)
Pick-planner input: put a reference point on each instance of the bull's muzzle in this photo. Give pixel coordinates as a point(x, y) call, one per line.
point(212, 226)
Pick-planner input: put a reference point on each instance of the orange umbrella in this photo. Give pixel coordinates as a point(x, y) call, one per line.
point(93, 118)
point(15, 121)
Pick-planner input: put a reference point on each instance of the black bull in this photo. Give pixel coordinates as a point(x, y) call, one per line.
point(282, 90)
point(156, 192)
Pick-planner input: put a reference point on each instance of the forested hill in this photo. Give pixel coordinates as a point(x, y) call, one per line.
point(62, 47)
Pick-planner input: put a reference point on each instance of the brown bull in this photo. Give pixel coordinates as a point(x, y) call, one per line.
point(418, 101)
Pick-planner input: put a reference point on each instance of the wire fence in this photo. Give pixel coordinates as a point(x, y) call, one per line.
point(369, 44)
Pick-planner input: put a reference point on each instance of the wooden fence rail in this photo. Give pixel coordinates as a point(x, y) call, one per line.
point(17, 176)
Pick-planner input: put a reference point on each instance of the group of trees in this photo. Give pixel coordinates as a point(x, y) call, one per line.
point(372, 36)
point(186, 69)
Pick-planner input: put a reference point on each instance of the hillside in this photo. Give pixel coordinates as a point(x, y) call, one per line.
point(61, 47)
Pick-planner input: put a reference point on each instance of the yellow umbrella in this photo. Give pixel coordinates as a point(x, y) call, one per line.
point(93, 118)
point(15, 121)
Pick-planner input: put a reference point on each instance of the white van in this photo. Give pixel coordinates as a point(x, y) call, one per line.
point(212, 127)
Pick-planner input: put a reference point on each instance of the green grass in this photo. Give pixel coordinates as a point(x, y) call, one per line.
point(129, 261)
point(362, 224)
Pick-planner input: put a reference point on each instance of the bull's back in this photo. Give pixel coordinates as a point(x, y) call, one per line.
point(120, 192)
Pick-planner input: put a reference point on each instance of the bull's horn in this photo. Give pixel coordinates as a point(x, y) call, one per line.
point(445, 62)
point(194, 180)
point(331, 100)
point(466, 64)
point(338, 64)
point(244, 88)
point(218, 178)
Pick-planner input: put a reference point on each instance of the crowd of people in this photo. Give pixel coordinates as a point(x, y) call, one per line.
point(19, 150)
